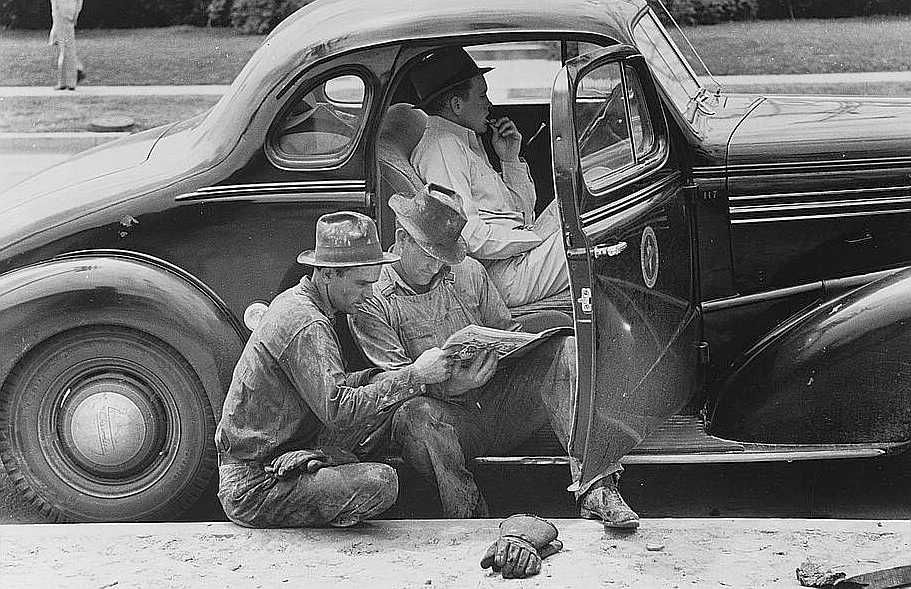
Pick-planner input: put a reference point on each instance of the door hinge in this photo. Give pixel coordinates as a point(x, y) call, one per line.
point(576, 253)
point(585, 301)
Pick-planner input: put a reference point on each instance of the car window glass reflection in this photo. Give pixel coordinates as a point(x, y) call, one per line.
point(324, 123)
point(602, 131)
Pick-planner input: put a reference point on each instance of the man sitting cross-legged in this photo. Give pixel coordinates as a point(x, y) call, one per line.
point(295, 424)
point(482, 408)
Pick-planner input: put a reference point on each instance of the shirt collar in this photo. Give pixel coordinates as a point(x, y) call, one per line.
point(464, 133)
point(308, 289)
point(391, 283)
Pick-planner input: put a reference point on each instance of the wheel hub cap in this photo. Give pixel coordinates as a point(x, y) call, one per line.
point(111, 427)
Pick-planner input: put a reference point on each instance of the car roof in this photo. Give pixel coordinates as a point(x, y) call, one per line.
point(326, 28)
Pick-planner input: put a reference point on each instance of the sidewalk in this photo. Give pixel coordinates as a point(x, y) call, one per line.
point(442, 553)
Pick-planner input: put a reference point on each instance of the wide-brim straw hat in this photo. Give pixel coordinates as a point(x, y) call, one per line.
point(345, 239)
point(442, 69)
point(434, 218)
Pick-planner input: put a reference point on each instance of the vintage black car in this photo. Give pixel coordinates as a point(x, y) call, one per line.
point(738, 263)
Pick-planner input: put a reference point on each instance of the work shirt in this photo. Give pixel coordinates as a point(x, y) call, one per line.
point(290, 390)
point(498, 207)
point(398, 324)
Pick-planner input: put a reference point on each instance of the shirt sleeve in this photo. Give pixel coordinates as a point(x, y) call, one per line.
point(377, 338)
point(381, 343)
point(494, 312)
point(518, 180)
point(445, 162)
point(339, 399)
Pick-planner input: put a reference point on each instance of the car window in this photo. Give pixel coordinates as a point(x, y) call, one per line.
point(523, 72)
point(613, 127)
point(665, 61)
point(322, 125)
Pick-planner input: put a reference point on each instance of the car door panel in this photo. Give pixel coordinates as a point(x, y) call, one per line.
point(629, 248)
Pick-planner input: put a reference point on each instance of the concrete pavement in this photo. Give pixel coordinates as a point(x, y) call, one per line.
point(443, 553)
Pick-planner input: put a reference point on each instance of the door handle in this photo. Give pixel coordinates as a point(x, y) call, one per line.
point(599, 251)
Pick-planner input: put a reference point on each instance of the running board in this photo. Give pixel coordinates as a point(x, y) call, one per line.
point(747, 455)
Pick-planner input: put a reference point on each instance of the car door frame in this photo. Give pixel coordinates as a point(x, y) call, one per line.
point(681, 356)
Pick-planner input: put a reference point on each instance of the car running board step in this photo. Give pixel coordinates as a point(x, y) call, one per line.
point(789, 455)
point(681, 434)
point(682, 440)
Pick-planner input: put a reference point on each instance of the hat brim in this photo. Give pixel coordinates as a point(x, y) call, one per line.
point(424, 101)
point(309, 258)
point(451, 255)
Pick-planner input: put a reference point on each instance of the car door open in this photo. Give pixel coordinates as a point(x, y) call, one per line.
point(629, 243)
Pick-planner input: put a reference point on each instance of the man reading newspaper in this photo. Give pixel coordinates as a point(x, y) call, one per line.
point(484, 408)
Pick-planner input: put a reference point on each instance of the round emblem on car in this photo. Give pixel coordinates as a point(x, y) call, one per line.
point(648, 257)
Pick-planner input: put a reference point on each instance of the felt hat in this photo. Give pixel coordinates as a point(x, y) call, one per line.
point(345, 239)
point(441, 70)
point(433, 217)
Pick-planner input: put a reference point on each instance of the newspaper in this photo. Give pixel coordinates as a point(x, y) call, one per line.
point(469, 341)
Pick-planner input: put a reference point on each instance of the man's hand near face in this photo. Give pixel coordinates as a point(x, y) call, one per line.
point(505, 138)
point(475, 375)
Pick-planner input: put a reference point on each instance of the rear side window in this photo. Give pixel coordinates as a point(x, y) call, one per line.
point(322, 126)
point(523, 72)
point(613, 129)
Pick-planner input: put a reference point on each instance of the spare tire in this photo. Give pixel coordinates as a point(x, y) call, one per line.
point(107, 424)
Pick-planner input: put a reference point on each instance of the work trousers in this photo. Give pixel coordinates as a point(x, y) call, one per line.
point(338, 496)
point(438, 439)
point(538, 273)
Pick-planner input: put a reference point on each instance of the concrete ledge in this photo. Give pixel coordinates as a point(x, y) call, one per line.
point(56, 142)
point(418, 553)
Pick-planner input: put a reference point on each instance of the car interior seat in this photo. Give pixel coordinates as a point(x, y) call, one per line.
point(401, 129)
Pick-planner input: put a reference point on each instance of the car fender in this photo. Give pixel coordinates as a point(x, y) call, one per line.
point(837, 373)
point(126, 289)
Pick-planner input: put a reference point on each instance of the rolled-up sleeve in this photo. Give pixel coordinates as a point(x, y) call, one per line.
point(518, 180)
point(339, 399)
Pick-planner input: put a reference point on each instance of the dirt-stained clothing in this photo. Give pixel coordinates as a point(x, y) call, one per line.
point(398, 324)
point(525, 265)
point(290, 391)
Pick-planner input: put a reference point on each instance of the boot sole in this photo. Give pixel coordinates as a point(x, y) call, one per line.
point(631, 524)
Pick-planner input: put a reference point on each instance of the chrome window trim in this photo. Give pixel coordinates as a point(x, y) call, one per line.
point(284, 161)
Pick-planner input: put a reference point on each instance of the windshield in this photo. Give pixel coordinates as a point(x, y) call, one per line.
point(665, 61)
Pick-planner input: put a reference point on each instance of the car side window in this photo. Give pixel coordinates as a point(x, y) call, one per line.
point(523, 72)
point(322, 125)
point(613, 128)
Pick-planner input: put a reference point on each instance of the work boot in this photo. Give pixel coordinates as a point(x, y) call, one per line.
point(605, 503)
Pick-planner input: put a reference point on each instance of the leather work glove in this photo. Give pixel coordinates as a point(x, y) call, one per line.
point(524, 541)
point(284, 465)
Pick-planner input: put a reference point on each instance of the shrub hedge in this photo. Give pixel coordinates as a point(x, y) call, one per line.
point(36, 14)
point(261, 16)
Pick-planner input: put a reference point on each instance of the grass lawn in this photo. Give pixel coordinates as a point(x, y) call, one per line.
point(171, 55)
point(878, 44)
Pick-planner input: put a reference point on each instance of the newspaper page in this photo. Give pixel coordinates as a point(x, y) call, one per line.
point(472, 339)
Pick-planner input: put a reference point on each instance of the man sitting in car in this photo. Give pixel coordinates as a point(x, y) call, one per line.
point(295, 423)
point(431, 292)
point(523, 255)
